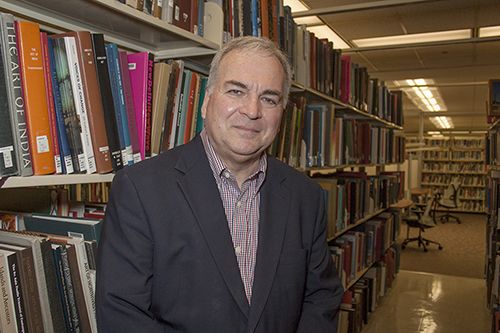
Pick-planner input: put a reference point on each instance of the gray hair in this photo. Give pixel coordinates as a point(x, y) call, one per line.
point(263, 46)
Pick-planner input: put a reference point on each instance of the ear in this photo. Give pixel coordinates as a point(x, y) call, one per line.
point(205, 104)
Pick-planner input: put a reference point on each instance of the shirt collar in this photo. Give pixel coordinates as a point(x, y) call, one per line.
point(218, 166)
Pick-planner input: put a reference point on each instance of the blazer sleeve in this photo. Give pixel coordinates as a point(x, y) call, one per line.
point(324, 290)
point(125, 264)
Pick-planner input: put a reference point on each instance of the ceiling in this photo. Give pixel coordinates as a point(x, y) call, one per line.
point(460, 70)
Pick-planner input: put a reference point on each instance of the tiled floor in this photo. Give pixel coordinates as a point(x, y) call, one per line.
point(432, 303)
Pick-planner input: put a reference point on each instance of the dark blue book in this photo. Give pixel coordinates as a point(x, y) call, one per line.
point(89, 229)
point(115, 77)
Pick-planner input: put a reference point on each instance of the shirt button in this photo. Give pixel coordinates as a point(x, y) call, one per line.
point(238, 204)
point(226, 174)
point(237, 249)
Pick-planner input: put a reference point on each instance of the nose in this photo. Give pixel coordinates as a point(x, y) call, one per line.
point(252, 107)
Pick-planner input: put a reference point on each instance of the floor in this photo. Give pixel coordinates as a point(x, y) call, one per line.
point(432, 303)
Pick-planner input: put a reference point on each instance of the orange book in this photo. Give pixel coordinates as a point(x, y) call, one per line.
point(34, 90)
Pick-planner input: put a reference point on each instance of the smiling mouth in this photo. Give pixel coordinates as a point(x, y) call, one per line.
point(247, 129)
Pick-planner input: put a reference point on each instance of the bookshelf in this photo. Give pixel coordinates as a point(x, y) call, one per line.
point(462, 157)
point(492, 260)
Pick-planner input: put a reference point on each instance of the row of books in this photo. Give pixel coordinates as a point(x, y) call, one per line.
point(454, 156)
point(311, 136)
point(358, 249)
point(187, 15)
point(492, 260)
point(83, 106)
point(47, 282)
point(319, 66)
point(360, 301)
point(453, 167)
point(445, 180)
point(458, 143)
point(352, 196)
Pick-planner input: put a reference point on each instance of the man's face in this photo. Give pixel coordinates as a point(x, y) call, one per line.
point(243, 110)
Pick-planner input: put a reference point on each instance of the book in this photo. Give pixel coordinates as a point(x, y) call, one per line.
point(50, 103)
point(115, 78)
point(15, 96)
point(140, 69)
point(182, 14)
point(82, 111)
point(104, 84)
point(7, 315)
point(92, 99)
point(53, 320)
point(34, 89)
point(26, 270)
point(88, 229)
point(70, 119)
point(8, 148)
point(159, 105)
point(129, 104)
point(62, 137)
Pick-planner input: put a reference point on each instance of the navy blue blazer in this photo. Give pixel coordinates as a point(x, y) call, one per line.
point(166, 262)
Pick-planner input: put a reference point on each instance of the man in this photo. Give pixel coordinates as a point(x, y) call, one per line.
point(214, 236)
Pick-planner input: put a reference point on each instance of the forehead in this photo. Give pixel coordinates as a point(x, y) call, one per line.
point(251, 65)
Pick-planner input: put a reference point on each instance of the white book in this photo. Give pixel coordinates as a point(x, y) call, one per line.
point(80, 104)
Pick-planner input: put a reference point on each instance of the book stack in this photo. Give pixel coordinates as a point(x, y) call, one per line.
point(83, 106)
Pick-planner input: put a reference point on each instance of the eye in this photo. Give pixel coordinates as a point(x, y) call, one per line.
point(235, 92)
point(270, 101)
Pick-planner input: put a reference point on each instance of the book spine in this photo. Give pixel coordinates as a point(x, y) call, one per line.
point(75, 319)
point(116, 102)
point(93, 101)
point(8, 160)
point(129, 104)
point(65, 150)
point(7, 316)
point(33, 83)
point(149, 105)
point(70, 119)
point(17, 291)
point(15, 94)
point(28, 277)
point(81, 107)
point(62, 288)
point(78, 290)
point(177, 102)
point(101, 64)
point(50, 103)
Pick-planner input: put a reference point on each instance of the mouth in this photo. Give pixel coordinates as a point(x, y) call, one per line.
point(247, 129)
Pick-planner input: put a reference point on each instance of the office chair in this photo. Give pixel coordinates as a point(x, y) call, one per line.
point(422, 220)
point(449, 200)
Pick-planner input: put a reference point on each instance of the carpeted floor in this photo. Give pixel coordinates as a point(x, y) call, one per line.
point(464, 248)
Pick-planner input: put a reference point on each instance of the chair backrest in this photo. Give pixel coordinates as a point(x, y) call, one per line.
point(427, 218)
point(450, 194)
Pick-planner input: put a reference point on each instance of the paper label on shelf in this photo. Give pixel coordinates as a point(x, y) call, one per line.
point(81, 162)
point(68, 163)
point(42, 144)
point(75, 234)
point(7, 156)
point(160, 3)
point(57, 160)
point(177, 13)
point(137, 158)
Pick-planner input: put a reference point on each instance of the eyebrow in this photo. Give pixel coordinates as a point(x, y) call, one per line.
point(244, 86)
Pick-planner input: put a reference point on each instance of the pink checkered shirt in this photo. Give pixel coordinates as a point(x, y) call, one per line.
point(242, 208)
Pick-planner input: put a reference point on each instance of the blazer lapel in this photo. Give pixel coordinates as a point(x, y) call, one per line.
point(274, 209)
point(198, 184)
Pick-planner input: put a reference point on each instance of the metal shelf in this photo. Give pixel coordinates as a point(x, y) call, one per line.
point(48, 180)
point(121, 24)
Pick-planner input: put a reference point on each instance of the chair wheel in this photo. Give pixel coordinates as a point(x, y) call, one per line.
point(425, 250)
point(427, 243)
point(440, 247)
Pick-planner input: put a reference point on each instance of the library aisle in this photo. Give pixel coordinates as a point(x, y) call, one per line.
point(439, 291)
point(432, 303)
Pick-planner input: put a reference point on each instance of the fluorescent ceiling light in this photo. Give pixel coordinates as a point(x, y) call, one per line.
point(308, 20)
point(442, 122)
point(295, 5)
point(424, 97)
point(489, 31)
point(427, 37)
point(323, 31)
point(433, 132)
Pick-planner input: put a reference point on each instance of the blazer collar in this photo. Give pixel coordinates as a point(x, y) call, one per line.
point(197, 185)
